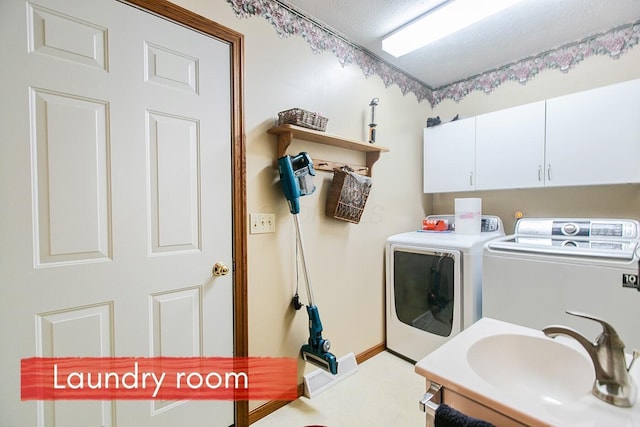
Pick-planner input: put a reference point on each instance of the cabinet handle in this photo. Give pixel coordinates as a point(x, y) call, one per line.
point(471, 179)
point(549, 172)
point(539, 172)
point(430, 403)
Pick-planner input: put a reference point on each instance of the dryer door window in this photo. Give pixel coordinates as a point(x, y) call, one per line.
point(424, 296)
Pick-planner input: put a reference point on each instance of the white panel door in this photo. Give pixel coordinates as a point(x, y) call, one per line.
point(115, 199)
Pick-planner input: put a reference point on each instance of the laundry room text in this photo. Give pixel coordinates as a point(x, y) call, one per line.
point(167, 378)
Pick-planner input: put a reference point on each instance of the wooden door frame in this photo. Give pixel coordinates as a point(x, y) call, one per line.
point(189, 19)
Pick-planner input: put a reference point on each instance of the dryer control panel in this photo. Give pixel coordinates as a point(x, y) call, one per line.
point(488, 223)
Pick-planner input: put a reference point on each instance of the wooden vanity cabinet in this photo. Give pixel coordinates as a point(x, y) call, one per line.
point(477, 410)
point(480, 406)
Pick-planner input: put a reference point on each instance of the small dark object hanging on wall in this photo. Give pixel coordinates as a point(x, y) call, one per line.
point(295, 301)
point(433, 121)
point(348, 195)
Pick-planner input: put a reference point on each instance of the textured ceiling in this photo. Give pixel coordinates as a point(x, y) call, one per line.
point(529, 28)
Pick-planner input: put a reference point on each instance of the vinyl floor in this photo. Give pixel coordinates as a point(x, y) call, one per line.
point(384, 392)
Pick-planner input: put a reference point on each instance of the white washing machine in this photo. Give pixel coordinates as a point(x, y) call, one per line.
point(551, 265)
point(433, 285)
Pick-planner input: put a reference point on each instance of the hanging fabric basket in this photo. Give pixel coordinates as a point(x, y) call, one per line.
point(348, 195)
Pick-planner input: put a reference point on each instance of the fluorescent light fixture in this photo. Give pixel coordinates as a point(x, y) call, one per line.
point(443, 21)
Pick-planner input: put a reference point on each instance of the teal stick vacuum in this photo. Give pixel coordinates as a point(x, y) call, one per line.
point(296, 178)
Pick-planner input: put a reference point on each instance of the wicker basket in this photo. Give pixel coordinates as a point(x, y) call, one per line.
point(300, 117)
point(348, 195)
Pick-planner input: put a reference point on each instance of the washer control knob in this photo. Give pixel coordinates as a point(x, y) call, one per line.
point(570, 229)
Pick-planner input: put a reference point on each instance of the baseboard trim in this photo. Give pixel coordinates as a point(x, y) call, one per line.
point(273, 405)
point(370, 352)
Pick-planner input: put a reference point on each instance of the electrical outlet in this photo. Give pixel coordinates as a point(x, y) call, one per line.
point(262, 223)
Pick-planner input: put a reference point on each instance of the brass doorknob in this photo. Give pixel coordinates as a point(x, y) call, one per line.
point(220, 269)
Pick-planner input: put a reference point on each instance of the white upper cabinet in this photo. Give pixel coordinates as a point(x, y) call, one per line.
point(510, 148)
point(449, 157)
point(586, 138)
point(593, 137)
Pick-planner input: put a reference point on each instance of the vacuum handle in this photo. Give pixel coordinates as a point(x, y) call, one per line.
point(296, 178)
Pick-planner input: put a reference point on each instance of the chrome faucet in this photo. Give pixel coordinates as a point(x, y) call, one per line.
point(613, 384)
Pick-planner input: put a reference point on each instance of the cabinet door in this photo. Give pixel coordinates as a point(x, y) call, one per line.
point(593, 137)
point(472, 408)
point(510, 148)
point(449, 157)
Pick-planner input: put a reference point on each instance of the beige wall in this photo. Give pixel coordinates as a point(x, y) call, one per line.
point(346, 260)
point(602, 201)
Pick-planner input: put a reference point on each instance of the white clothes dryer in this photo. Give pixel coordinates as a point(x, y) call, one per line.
point(434, 285)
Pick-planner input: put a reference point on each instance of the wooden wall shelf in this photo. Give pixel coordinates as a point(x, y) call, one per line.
point(286, 134)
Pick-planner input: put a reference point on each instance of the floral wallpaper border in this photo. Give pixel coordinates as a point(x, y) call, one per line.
point(288, 22)
point(613, 43)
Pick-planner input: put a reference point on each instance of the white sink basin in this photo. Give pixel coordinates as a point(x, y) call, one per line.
point(525, 375)
point(538, 367)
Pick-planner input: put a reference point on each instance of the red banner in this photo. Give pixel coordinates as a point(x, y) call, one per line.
point(166, 378)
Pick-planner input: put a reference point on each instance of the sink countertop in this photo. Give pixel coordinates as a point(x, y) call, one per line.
point(448, 365)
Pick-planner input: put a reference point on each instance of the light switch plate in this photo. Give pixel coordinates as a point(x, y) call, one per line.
point(262, 223)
